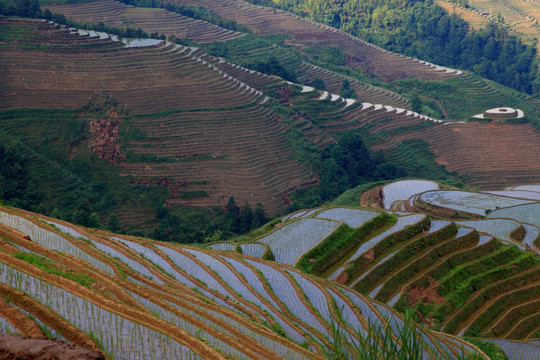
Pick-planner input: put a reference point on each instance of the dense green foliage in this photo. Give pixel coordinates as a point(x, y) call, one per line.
point(17, 188)
point(22, 8)
point(488, 348)
point(273, 67)
point(342, 241)
point(424, 30)
point(207, 225)
point(343, 166)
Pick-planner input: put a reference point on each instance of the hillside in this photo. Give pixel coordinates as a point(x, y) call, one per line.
point(467, 275)
point(213, 113)
point(520, 16)
point(133, 298)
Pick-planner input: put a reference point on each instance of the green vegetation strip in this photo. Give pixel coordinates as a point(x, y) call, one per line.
point(47, 266)
point(492, 291)
point(404, 255)
point(405, 274)
point(500, 306)
point(359, 265)
point(488, 348)
point(466, 287)
point(341, 242)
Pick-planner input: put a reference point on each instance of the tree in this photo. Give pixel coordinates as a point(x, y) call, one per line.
point(80, 217)
point(246, 218)
point(113, 224)
point(259, 217)
point(318, 84)
point(416, 104)
point(94, 221)
point(56, 214)
point(231, 216)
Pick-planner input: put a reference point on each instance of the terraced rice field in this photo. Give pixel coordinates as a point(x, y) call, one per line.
point(202, 129)
point(116, 14)
point(352, 217)
point(290, 242)
point(469, 202)
point(529, 195)
point(403, 190)
point(490, 155)
point(525, 213)
point(522, 16)
point(515, 350)
point(198, 304)
point(266, 21)
point(370, 243)
point(499, 228)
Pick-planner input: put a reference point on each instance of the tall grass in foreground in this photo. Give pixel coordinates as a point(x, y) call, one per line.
point(382, 342)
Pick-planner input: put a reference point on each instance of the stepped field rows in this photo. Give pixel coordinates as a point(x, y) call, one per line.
point(166, 301)
point(267, 21)
point(164, 99)
point(116, 14)
point(521, 16)
point(467, 278)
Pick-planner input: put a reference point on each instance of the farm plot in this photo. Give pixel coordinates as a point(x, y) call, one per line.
point(475, 203)
point(223, 246)
point(400, 225)
point(154, 258)
point(136, 266)
point(291, 241)
point(403, 190)
point(535, 188)
point(116, 14)
point(371, 58)
point(256, 284)
point(285, 291)
point(520, 194)
point(51, 240)
point(173, 322)
point(352, 217)
point(6, 327)
point(114, 332)
point(525, 213)
point(202, 144)
point(532, 232)
point(499, 228)
point(517, 350)
point(507, 154)
point(253, 249)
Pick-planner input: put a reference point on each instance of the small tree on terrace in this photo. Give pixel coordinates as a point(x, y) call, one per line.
point(259, 217)
point(246, 218)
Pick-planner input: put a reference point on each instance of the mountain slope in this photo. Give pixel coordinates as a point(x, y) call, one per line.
point(133, 298)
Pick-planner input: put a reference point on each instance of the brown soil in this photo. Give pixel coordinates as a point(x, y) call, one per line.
point(373, 198)
point(104, 139)
point(211, 153)
point(491, 155)
point(428, 295)
point(15, 347)
point(20, 320)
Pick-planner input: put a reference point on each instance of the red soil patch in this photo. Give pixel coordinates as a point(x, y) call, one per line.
point(14, 347)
